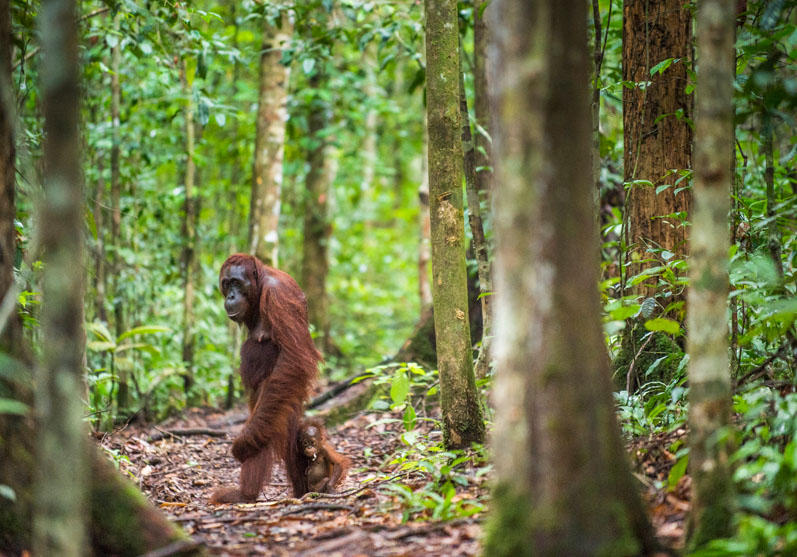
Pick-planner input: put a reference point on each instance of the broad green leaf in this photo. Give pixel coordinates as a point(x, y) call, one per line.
point(663, 324)
point(677, 472)
point(99, 329)
point(11, 406)
point(144, 330)
point(399, 388)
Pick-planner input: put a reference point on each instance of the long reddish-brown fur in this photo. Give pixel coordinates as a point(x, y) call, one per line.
point(279, 364)
point(337, 464)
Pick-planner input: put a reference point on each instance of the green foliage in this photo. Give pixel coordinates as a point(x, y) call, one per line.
point(421, 453)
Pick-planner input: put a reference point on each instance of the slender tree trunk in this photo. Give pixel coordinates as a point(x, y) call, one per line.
point(369, 148)
point(709, 371)
point(62, 472)
point(773, 233)
point(462, 418)
point(315, 256)
point(272, 115)
point(189, 236)
point(100, 277)
point(479, 243)
point(116, 214)
point(597, 60)
point(425, 227)
point(657, 135)
point(563, 486)
point(481, 101)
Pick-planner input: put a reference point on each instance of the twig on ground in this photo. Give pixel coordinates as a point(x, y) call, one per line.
point(162, 433)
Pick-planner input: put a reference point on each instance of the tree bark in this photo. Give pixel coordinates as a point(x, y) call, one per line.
point(59, 526)
point(462, 419)
point(657, 135)
point(317, 229)
point(709, 367)
point(773, 232)
point(272, 115)
point(563, 485)
point(116, 212)
point(189, 235)
point(479, 243)
point(10, 328)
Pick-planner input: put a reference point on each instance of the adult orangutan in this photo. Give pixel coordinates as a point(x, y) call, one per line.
point(279, 364)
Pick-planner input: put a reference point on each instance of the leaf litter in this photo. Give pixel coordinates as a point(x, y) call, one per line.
point(178, 471)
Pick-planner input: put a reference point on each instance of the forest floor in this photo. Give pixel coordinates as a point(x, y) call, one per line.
point(179, 471)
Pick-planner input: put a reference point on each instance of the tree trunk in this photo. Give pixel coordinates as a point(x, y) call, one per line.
point(481, 101)
point(709, 371)
point(773, 232)
point(315, 257)
point(479, 243)
point(61, 469)
point(189, 236)
point(425, 228)
point(656, 132)
point(369, 147)
point(462, 419)
point(563, 486)
point(10, 327)
point(116, 214)
point(272, 114)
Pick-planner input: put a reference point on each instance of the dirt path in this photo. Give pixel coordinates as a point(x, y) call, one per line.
point(178, 473)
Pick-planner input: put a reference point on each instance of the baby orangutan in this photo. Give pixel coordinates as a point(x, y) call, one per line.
point(323, 467)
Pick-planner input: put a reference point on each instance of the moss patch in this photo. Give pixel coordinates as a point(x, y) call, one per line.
point(645, 349)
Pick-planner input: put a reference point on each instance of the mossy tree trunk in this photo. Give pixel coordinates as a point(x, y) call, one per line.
point(59, 526)
point(656, 132)
point(563, 485)
point(462, 419)
point(709, 366)
point(272, 115)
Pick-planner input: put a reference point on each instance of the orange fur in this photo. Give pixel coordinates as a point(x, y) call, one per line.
point(279, 364)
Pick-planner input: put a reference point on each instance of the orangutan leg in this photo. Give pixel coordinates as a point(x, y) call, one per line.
point(254, 473)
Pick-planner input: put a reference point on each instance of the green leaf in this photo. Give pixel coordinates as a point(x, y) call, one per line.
point(11, 406)
point(143, 330)
point(663, 324)
point(7, 492)
point(99, 329)
point(663, 65)
point(399, 388)
point(677, 472)
point(100, 346)
point(308, 64)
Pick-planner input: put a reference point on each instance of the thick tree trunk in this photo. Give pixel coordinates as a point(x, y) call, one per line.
point(462, 419)
point(272, 114)
point(657, 135)
point(59, 526)
point(10, 327)
point(709, 370)
point(317, 229)
point(563, 485)
point(189, 236)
